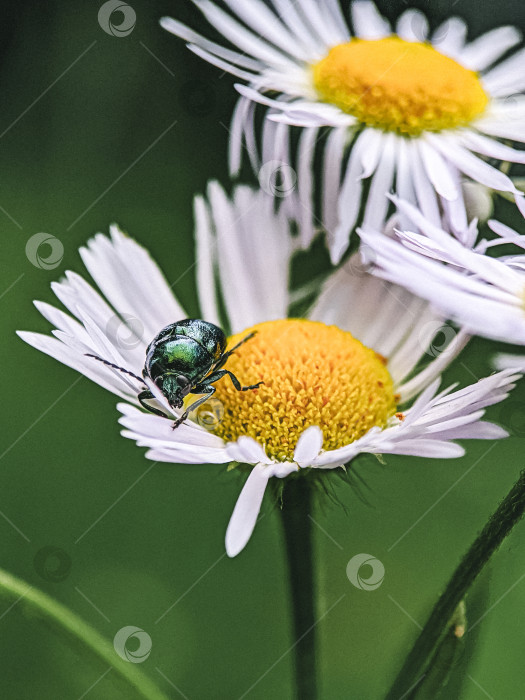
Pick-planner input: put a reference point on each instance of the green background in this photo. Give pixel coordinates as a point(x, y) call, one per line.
point(80, 145)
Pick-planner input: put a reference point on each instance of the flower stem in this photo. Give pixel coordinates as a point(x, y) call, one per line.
point(497, 528)
point(297, 526)
point(68, 624)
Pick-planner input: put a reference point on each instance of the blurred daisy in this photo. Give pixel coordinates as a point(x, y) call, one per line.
point(407, 109)
point(484, 294)
point(345, 380)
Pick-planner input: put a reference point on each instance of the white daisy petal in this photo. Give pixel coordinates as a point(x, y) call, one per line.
point(102, 341)
point(305, 185)
point(509, 361)
point(219, 63)
point(506, 233)
point(507, 77)
point(349, 199)
point(520, 202)
point(206, 255)
point(303, 119)
point(333, 160)
point(308, 446)
point(511, 127)
point(63, 322)
point(377, 204)
point(246, 510)
point(435, 449)
point(418, 408)
point(438, 172)
point(247, 450)
point(368, 23)
point(491, 148)
point(449, 38)
point(472, 166)
point(486, 49)
point(425, 194)
point(181, 30)
point(456, 211)
point(238, 133)
point(404, 174)
point(412, 26)
point(74, 290)
point(370, 152)
point(481, 430)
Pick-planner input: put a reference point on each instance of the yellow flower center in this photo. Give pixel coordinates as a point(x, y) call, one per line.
point(313, 374)
point(402, 86)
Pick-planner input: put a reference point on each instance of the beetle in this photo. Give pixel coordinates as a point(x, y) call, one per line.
point(186, 357)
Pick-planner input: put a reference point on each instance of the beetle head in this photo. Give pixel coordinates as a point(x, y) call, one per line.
point(174, 387)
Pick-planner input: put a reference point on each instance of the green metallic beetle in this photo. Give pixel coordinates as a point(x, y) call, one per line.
point(186, 357)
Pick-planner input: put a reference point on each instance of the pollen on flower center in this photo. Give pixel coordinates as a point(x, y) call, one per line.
point(313, 374)
point(402, 86)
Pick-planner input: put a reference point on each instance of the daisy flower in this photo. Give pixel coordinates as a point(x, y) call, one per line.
point(484, 294)
point(346, 379)
point(405, 109)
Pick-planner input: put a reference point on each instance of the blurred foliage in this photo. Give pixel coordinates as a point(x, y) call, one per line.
point(96, 129)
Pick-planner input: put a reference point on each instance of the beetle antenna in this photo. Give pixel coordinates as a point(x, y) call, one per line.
point(120, 369)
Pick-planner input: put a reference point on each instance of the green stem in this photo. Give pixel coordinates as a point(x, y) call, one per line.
point(75, 629)
point(495, 531)
point(297, 528)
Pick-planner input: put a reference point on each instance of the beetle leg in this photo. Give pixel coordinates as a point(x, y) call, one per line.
point(226, 355)
point(146, 394)
point(218, 374)
point(205, 389)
